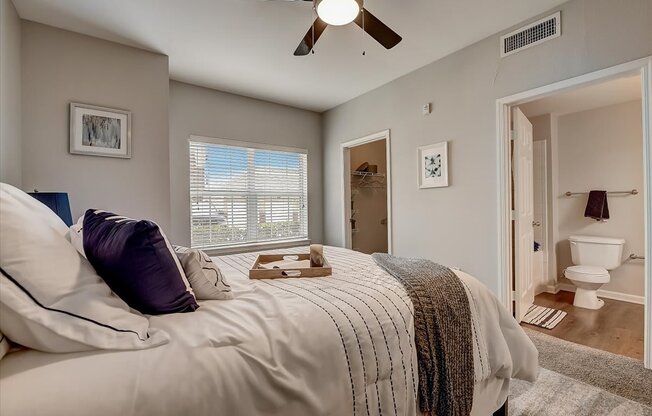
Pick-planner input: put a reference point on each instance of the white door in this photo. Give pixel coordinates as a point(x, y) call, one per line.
point(524, 213)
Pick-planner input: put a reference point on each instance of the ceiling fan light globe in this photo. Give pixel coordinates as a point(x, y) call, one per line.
point(338, 12)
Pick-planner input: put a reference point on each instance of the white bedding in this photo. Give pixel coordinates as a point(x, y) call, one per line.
point(340, 345)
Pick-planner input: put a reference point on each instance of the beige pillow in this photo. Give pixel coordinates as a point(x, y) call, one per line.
point(77, 236)
point(204, 276)
point(4, 345)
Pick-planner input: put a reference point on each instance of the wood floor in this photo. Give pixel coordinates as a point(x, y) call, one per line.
point(617, 327)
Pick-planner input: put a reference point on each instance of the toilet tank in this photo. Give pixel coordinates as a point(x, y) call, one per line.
point(596, 251)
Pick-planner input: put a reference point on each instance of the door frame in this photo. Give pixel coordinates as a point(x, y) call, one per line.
point(346, 184)
point(642, 67)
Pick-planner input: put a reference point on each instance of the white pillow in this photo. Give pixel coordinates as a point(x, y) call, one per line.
point(51, 299)
point(204, 276)
point(77, 236)
point(4, 345)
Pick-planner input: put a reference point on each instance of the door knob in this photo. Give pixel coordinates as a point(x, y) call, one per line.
point(536, 224)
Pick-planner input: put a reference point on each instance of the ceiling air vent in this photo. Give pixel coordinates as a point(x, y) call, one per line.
point(531, 35)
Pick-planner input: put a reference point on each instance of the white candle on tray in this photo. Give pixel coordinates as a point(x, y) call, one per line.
point(316, 255)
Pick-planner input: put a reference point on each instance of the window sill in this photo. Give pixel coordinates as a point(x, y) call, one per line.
point(245, 248)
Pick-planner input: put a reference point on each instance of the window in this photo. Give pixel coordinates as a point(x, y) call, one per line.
point(242, 193)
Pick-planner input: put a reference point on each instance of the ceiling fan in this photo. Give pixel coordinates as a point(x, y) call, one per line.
point(343, 12)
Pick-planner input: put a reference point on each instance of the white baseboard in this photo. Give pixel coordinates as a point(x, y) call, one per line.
point(608, 294)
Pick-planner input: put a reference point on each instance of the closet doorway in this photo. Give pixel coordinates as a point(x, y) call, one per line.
point(367, 194)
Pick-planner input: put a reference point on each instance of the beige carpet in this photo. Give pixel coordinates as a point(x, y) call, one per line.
point(577, 380)
point(554, 394)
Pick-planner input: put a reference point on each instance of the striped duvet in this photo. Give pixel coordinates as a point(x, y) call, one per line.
point(373, 317)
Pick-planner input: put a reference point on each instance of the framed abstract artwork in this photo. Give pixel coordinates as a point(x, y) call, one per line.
point(100, 131)
point(433, 165)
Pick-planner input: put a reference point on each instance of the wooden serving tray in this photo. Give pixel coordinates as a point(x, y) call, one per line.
point(257, 272)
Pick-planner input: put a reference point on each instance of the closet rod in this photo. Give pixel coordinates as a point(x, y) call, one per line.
point(632, 192)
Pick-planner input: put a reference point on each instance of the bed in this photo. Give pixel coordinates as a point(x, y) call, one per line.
point(338, 345)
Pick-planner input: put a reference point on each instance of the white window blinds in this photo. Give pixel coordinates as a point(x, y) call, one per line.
point(241, 195)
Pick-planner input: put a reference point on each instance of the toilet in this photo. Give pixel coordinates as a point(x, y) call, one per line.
point(593, 257)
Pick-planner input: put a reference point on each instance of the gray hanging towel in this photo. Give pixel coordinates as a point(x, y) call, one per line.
point(597, 206)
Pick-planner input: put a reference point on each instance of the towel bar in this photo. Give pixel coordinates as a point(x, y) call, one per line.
point(632, 192)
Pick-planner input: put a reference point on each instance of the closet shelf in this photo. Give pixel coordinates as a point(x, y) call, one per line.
point(367, 174)
point(370, 186)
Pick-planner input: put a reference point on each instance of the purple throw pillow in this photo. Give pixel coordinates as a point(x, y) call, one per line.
point(137, 262)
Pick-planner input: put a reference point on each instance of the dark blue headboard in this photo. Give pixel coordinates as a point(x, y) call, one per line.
point(57, 202)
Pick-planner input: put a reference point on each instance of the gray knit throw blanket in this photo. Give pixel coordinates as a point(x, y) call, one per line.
point(442, 333)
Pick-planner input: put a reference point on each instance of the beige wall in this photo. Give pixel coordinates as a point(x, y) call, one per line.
point(370, 202)
point(458, 225)
point(206, 112)
point(603, 149)
point(10, 108)
point(59, 67)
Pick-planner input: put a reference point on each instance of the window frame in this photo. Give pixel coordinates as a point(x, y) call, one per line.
point(251, 245)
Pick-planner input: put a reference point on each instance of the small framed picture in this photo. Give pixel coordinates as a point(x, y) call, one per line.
point(433, 165)
point(100, 131)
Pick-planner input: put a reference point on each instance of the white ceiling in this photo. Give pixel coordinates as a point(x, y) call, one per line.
point(612, 92)
point(246, 46)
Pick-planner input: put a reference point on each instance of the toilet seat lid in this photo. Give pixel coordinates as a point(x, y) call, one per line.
point(587, 273)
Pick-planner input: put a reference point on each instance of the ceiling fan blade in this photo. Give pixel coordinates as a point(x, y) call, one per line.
point(307, 44)
point(377, 29)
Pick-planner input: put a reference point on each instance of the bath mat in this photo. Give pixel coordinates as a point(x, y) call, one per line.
point(544, 317)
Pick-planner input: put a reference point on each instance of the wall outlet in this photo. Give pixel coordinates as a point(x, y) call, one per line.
point(426, 109)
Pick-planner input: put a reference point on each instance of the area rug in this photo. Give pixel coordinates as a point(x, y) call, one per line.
point(547, 318)
point(617, 374)
point(578, 380)
point(555, 394)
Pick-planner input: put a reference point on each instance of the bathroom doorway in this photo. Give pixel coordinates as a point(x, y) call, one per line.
point(594, 287)
point(574, 261)
point(366, 194)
